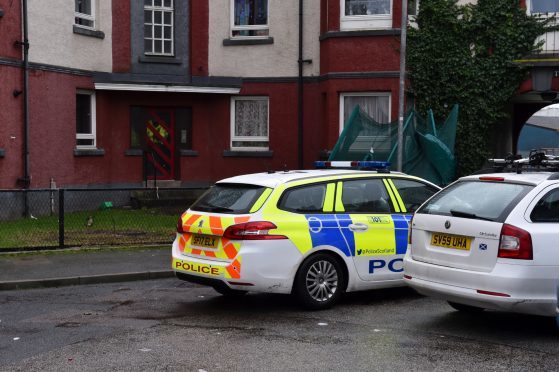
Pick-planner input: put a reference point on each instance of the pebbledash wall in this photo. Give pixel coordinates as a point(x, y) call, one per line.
point(64, 61)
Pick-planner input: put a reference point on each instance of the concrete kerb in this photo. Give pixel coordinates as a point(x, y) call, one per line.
point(83, 280)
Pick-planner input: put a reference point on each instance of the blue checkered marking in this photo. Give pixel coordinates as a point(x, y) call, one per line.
point(401, 225)
point(332, 230)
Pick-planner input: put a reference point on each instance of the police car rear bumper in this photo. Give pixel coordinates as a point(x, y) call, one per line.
point(264, 267)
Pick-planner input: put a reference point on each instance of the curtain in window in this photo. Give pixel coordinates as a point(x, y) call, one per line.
point(375, 106)
point(544, 6)
point(251, 12)
point(366, 7)
point(251, 118)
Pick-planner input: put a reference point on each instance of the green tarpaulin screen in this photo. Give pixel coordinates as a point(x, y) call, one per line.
point(428, 150)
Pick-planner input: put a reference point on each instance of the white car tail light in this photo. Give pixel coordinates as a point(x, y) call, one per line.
point(515, 243)
point(252, 231)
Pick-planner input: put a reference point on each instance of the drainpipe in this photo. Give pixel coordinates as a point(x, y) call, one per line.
point(401, 97)
point(25, 180)
point(300, 89)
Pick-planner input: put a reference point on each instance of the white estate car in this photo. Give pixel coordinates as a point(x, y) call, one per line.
point(489, 242)
point(314, 233)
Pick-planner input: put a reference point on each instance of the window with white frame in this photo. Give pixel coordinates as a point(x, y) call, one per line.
point(542, 6)
point(376, 105)
point(85, 119)
point(249, 18)
point(249, 123)
point(84, 13)
point(365, 14)
point(159, 27)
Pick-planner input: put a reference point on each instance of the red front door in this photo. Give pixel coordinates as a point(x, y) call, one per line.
point(160, 143)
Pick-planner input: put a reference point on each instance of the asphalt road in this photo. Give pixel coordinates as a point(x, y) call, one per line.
point(168, 325)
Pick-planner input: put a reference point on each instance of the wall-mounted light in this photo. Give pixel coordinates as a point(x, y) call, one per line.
point(16, 92)
point(1, 12)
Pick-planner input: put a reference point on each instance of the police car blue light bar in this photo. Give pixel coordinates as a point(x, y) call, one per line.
point(368, 164)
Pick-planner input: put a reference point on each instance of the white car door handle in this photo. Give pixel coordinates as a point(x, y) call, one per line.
point(358, 227)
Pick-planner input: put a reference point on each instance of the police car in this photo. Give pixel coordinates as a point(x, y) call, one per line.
point(314, 233)
point(491, 241)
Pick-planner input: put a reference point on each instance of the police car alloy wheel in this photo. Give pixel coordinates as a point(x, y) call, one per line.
point(319, 282)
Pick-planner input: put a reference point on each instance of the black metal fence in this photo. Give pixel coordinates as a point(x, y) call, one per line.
point(58, 218)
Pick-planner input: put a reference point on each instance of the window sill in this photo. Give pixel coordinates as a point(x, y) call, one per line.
point(2, 153)
point(87, 32)
point(89, 152)
point(360, 33)
point(160, 59)
point(188, 153)
point(247, 154)
point(255, 41)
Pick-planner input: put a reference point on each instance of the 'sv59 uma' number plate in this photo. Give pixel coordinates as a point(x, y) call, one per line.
point(451, 241)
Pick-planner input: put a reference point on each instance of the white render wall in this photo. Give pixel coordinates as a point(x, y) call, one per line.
point(52, 40)
point(271, 60)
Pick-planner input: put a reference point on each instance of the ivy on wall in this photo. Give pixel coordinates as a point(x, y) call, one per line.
point(464, 54)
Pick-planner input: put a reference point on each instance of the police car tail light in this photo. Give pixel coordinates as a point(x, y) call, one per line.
point(515, 243)
point(180, 229)
point(259, 230)
point(410, 230)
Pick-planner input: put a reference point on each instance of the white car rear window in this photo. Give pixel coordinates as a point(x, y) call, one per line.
point(476, 199)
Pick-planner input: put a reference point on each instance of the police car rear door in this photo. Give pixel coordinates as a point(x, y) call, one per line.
point(380, 235)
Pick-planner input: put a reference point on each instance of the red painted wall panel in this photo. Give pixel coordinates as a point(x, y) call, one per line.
point(199, 26)
point(11, 127)
point(360, 54)
point(10, 29)
point(121, 36)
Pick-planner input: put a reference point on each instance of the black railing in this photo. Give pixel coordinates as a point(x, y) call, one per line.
point(58, 218)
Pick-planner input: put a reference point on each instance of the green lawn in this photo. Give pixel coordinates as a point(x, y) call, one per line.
point(93, 228)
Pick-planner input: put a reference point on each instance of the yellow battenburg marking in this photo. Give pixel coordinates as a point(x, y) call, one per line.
point(197, 268)
point(292, 225)
point(392, 196)
point(261, 200)
point(329, 198)
point(378, 240)
point(339, 203)
point(398, 197)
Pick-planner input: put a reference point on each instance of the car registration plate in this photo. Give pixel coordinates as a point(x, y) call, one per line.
point(451, 241)
point(205, 241)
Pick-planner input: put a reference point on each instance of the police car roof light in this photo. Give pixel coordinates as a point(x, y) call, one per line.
point(368, 164)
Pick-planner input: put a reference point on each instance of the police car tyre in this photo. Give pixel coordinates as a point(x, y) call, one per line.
point(465, 308)
point(320, 282)
point(226, 291)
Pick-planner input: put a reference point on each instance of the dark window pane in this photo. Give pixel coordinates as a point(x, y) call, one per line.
point(168, 48)
point(157, 46)
point(308, 199)
point(147, 2)
point(84, 142)
point(251, 12)
point(157, 3)
point(167, 18)
point(167, 3)
point(83, 113)
point(250, 32)
point(147, 32)
point(84, 22)
point(157, 18)
point(148, 46)
point(83, 6)
point(249, 144)
point(167, 32)
point(147, 16)
point(547, 209)
point(368, 196)
point(228, 198)
point(157, 32)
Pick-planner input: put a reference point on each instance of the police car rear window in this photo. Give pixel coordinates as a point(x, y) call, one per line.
point(490, 201)
point(228, 198)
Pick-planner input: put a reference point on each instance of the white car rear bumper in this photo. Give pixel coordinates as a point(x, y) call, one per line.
point(530, 289)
